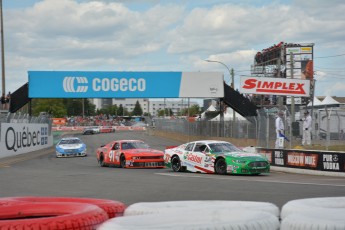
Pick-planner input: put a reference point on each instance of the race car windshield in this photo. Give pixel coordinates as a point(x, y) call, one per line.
point(223, 147)
point(134, 145)
point(71, 141)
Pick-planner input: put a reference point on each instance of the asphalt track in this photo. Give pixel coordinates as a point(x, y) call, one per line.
point(42, 174)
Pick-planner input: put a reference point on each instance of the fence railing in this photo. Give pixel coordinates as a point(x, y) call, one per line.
point(328, 128)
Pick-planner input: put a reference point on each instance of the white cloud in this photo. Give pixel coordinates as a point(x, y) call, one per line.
point(108, 35)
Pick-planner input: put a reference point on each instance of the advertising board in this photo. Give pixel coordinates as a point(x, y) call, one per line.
point(305, 159)
point(18, 138)
point(78, 84)
point(275, 86)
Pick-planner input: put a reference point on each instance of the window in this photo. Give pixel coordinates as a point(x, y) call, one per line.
point(189, 147)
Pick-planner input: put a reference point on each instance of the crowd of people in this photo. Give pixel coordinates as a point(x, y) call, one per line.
point(272, 53)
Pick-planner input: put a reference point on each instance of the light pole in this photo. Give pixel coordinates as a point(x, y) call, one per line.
point(231, 73)
point(2, 49)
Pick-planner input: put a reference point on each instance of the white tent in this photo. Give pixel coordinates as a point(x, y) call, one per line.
point(211, 108)
point(329, 101)
point(228, 116)
point(316, 102)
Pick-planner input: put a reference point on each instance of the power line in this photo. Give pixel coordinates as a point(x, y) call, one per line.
point(339, 55)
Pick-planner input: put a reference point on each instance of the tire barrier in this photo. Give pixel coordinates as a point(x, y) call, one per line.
point(314, 213)
point(309, 205)
point(49, 216)
point(202, 219)
point(111, 207)
point(144, 208)
point(315, 219)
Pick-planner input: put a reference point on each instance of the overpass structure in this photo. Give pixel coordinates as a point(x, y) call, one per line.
point(66, 84)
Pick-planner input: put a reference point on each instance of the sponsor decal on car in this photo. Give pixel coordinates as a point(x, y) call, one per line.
point(194, 158)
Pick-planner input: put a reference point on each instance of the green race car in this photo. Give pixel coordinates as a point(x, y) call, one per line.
point(211, 156)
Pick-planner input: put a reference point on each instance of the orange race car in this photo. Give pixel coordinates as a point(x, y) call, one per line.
point(130, 154)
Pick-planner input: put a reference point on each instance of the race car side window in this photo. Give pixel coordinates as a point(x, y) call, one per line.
point(207, 149)
point(189, 147)
point(116, 146)
point(203, 148)
point(199, 147)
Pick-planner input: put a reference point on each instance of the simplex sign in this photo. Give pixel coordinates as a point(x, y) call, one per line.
point(78, 84)
point(275, 86)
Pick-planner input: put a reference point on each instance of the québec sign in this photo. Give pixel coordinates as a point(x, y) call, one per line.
point(275, 86)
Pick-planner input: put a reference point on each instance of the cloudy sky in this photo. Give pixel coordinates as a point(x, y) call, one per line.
point(152, 35)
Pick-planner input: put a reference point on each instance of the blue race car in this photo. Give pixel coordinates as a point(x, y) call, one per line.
point(70, 147)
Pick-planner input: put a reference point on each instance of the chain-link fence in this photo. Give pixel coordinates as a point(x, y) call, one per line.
point(26, 118)
point(328, 128)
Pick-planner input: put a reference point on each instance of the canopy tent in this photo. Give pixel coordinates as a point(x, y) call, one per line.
point(210, 108)
point(228, 116)
point(317, 102)
point(329, 101)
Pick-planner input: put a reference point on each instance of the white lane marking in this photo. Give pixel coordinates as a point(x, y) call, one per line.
point(238, 179)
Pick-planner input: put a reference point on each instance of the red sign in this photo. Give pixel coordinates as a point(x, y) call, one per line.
point(275, 86)
point(302, 159)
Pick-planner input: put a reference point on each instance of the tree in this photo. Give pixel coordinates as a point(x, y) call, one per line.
point(120, 111)
point(55, 107)
point(165, 112)
point(137, 111)
point(193, 110)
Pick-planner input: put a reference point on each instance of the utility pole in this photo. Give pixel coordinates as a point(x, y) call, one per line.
point(292, 97)
point(233, 87)
point(2, 50)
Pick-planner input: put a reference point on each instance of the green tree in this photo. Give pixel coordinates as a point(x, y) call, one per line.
point(137, 111)
point(120, 111)
point(193, 110)
point(166, 112)
point(55, 107)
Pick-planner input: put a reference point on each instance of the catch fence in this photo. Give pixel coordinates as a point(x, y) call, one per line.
point(328, 126)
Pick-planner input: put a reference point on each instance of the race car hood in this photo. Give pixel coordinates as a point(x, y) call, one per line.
point(70, 146)
point(143, 151)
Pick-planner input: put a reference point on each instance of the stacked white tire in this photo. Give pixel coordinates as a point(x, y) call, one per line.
point(324, 213)
point(198, 215)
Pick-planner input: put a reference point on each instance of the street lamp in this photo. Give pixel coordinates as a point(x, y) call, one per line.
point(232, 80)
point(230, 72)
point(2, 49)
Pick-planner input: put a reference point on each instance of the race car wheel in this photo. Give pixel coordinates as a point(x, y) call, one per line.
point(176, 164)
point(111, 207)
point(220, 166)
point(101, 161)
point(51, 216)
point(122, 161)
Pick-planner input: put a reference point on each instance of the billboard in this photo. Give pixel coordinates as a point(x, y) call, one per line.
point(79, 84)
point(275, 86)
point(299, 62)
point(18, 138)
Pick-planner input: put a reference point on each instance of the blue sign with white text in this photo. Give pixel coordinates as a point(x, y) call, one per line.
point(92, 84)
point(79, 84)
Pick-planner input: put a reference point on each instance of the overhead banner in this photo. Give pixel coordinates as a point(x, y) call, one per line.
point(78, 84)
point(275, 86)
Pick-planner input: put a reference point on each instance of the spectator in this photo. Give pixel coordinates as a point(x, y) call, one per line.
point(306, 138)
point(279, 124)
point(3, 101)
point(7, 99)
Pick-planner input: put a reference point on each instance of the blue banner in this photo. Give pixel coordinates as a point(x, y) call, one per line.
point(80, 84)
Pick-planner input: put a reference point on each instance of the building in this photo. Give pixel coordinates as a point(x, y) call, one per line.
point(152, 106)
